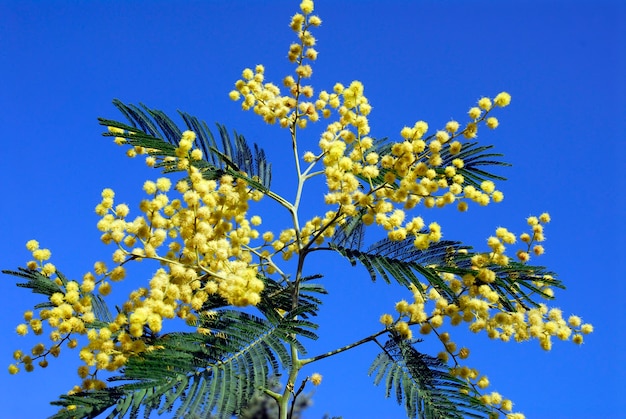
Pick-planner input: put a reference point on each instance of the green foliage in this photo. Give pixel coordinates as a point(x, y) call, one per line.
point(350, 234)
point(406, 265)
point(155, 131)
point(191, 373)
point(402, 262)
point(475, 159)
point(423, 383)
point(41, 284)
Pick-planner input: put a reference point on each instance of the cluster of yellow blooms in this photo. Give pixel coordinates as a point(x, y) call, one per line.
point(201, 241)
point(411, 173)
point(480, 306)
point(265, 99)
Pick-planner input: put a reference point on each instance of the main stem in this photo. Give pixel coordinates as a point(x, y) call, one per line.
point(296, 364)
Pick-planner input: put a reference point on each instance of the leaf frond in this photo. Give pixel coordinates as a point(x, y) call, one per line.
point(160, 135)
point(404, 263)
point(423, 384)
point(350, 233)
point(515, 283)
point(476, 160)
point(277, 298)
point(217, 370)
point(41, 284)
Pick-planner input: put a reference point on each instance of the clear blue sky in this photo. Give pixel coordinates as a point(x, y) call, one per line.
point(61, 64)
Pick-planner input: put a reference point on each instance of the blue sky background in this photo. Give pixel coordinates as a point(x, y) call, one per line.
point(62, 62)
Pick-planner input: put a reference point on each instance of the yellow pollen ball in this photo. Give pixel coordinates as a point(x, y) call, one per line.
point(502, 99)
point(316, 379)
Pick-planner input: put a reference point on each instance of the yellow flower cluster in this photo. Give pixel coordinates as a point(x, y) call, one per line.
point(201, 239)
point(479, 305)
point(266, 100)
point(414, 314)
point(291, 242)
point(208, 234)
point(535, 236)
point(410, 172)
point(70, 315)
point(207, 253)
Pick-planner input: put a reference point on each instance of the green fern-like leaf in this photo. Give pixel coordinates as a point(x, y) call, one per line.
point(190, 373)
point(476, 160)
point(423, 384)
point(277, 298)
point(514, 283)
point(155, 131)
point(351, 233)
point(404, 263)
point(41, 284)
